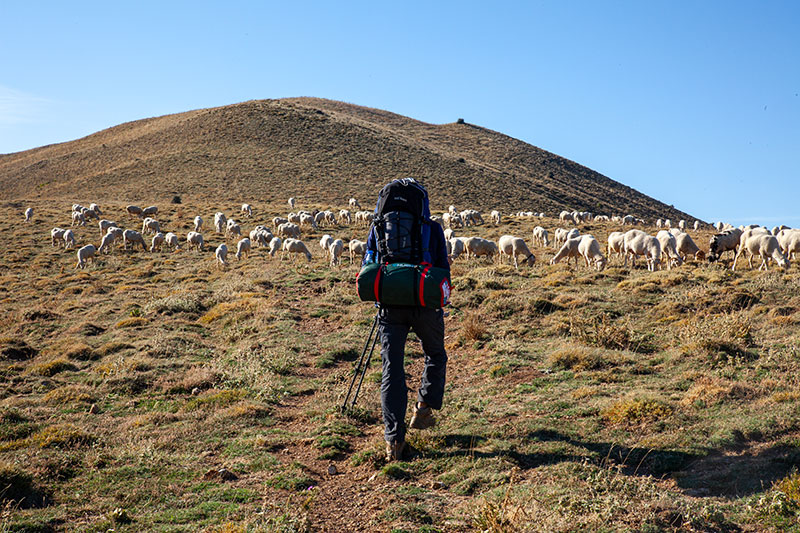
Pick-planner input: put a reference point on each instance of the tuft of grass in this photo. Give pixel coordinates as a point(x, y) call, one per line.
point(215, 400)
point(636, 410)
point(133, 322)
point(176, 303)
point(576, 358)
point(113, 347)
point(15, 349)
point(294, 478)
point(69, 395)
point(473, 327)
point(60, 436)
point(51, 368)
point(396, 471)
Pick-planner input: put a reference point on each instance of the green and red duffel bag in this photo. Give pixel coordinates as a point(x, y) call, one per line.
point(404, 284)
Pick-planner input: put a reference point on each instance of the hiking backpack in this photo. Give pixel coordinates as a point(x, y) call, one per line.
point(402, 223)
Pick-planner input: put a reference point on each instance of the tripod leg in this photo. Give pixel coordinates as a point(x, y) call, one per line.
point(360, 362)
point(366, 365)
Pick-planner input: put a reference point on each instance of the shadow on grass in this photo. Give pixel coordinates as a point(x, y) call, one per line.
point(713, 474)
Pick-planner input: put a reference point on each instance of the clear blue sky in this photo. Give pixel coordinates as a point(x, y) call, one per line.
point(692, 102)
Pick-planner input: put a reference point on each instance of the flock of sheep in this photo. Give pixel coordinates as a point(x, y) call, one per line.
point(670, 246)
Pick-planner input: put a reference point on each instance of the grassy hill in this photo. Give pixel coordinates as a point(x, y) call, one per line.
point(314, 149)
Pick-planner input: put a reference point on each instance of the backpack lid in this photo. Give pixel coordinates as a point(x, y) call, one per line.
point(405, 194)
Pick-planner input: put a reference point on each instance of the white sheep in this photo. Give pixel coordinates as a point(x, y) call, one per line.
point(106, 242)
point(513, 247)
point(171, 240)
point(274, 246)
point(221, 253)
point(766, 247)
point(669, 248)
point(78, 219)
point(69, 239)
point(198, 223)
point(158, 242)
point(247, 210)
point(589, 248)
point(289, 230)
point(134, 210)
point(686, 246)
point(565, 216)
point(748, 232)
point(96, 208)
point(243, 248)
point(478, 247)
point(294, 218)
point(628, 220)
point(89, 213)
point(789, 240)
point(660, 223)
point(29, 214)
point(325, 243)
point(150, 225)
point(56, 236)
point(723, 242)
point(696, 225)
point(638, 243)
point(84, 254)
point(220, 222)
point(132, 237)
point(616, 244)
point(562, 235)
point(295, 246)
point(150, 211)
point(307, 220)
point(540, 236)
point(344, 217)
point(354, 204)
point(495, 216)
point(195, 239)
point(104, 225)
point(233, 230)
point(682, 224)
point(569, 250)
point(335, 251)
point(277, 221)
point(291, 203)
point(357, 247)
point(456, 247)
point(449, 234)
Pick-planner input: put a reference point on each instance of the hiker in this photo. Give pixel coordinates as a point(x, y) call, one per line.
point(402, 232)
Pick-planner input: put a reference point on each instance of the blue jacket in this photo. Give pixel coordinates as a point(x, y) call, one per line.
point(437, 247)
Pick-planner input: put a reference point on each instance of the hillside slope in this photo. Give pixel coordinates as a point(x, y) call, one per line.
point(319, 151)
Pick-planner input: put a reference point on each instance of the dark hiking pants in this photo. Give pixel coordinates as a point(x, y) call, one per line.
point(395, 323)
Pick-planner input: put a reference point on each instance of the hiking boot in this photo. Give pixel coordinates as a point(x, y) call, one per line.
point(395, 450)
point(422, 418)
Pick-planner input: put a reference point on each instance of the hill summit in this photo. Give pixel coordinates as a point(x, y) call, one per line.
point(315, 150)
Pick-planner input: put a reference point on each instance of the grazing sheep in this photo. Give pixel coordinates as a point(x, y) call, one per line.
point(344, 217)
point(540, 236)
point(221, 253)
point(171, 240)
point(289, 230)
point(150, 225)
point(104, 225)
point(682, 225)
point(660, 223)
point(629, 220)
point(107, 242)
point(354, 203)
point(69, 239)
point(477, 247)
point(669, 248)
point(89, 213)
point(789, 240)
point(195, 239)
point(233, 230)
point(565, 216)
point(220, 222)
point(696, 225)
point(724, 242)
point(456, 246)
point(84, 254)
point(766, 247)
point(29, 214)
point(291, 203)
point(274, 246)
point(562, 235)
point(198, 223)
point(601, 218)
point(78, 219)
point(569, 250)
point(277, 221)
point(262, 238)
point(638, 243)
point(357, 247)
point(295, 246)
point(616, 244)
point(243, 248)
point(294, 218)
point(589, 248)
point(134, 210)
point(330, 218)
point(56, 236)
point(449, 234)
point(778, 229)
point(132, 237)
point(96, 208)
point(686, 246)
point(495, 216)
point(158, 242)
point(335, 251)
point(325, 243)
point(149, 211)
point(307, 220)
point(514, 246)
point(247, 210)
point(748, 232)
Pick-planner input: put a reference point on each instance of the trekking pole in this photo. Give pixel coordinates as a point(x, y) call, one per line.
point(359, 369)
